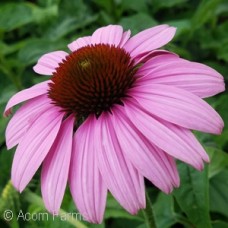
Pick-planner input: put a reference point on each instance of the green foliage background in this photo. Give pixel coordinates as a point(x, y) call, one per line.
point(29, 29)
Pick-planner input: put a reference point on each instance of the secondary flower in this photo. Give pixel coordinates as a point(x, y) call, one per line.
point(114, 111)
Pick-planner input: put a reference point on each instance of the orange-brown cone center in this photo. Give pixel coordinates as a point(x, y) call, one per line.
point(92, 79)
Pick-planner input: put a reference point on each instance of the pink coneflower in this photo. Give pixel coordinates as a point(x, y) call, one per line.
point(114, 111)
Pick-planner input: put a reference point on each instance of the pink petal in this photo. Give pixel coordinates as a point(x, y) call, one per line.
point(154, 60)
point(151, 161)
point(188, 137)
point(179, 107)
point(149, 58)
point(125, 38)
point(26, 94)
point(34, 147)
point(55, 168)
point(86, 184)
point(149, 39)
point(161, 136)
point(120, 177)
point(49, 62)
point(197, 78)
point(23, 119)
point(79, 43)
point(111, 34)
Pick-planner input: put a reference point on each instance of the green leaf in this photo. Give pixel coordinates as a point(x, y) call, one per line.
point(32, 198)
point(76, 9)
point(164, 211)
point(138, 6)
point(223, 51)
point(205, 12)
point(5, 49)
point(182, 25)
point(3, 124)
point(219, 161)
point(158, 4)
point(41, 218)
point(222, 8)
point(107, 5)
point(219, 193)
point(91, 225)
point(9, 22)
point(222, 107)
point(23, 13)
point(34, 48)
point(67, 25)
point(219, 224)
point(137, 22)
point(42, 14)
point(222, 140)
point(114, 210)
point(5, 94)
point(192, 195)
point(9, 201)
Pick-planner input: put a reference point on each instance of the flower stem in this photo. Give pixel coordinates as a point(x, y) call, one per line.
point(149, 214)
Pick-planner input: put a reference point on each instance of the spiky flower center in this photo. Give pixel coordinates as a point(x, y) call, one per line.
point(92, 79)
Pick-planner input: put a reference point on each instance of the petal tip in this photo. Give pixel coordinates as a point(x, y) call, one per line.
point(206, 158)
point(8, 145)
point(219, 128)
point(200, 167)
point(22, 186)
point(172, 31)
point(176, 181)
point(7, 112)
point(35, 69)
point(177, 185)
point(71, 46)
point(53, 212)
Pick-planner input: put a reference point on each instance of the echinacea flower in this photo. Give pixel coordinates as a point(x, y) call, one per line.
point(115, 110)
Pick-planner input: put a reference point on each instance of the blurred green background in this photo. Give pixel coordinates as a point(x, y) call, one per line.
point(29, 29)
